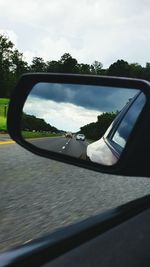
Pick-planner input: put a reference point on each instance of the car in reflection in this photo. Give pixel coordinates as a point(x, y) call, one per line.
point(107, 149)
point(68, 135)
point(80, 137)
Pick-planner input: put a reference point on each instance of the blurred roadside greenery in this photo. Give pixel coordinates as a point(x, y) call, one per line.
point(28, 134)
point(4, 102)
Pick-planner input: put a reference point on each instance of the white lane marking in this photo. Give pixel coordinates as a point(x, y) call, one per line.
point(65, 145)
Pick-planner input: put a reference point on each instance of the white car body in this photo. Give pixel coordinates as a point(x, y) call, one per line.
point(80, 137)
point(100, 153)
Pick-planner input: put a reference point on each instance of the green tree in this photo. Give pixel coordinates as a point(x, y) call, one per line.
point(136, 70)
point(96, 130)
point(30, 123)
point(6, 51)
point(119, 68)
point(68, 64)
point(146, 72)
point(38, 65)
point(84, 68)
point(19, 66)
point(96, 67)
point(53, 66)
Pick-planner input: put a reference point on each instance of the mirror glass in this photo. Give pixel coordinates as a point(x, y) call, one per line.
point(88, 122)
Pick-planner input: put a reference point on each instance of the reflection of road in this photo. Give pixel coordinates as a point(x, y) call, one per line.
point(67, 146)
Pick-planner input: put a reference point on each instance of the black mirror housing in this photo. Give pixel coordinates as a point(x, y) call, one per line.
point(134, 159)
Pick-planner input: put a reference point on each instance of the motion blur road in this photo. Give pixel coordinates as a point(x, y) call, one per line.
point(67, 146)
point(38, 195)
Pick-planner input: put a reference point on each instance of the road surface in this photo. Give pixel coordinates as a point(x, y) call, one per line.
point(67, 146)
point(39, 195)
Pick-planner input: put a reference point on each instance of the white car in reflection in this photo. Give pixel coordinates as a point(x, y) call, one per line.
point(108, 149)
point(80, 137)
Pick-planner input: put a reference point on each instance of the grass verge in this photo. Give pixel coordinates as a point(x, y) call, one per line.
point(3, 113)
point(3, 127)
point(27, 134)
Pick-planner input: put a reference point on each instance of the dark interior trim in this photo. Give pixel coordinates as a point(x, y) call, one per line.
point(45, 249)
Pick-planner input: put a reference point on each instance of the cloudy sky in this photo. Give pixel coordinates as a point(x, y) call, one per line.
point(69, 107)
point(87, 29)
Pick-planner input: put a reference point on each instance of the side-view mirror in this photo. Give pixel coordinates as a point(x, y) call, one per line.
point(99, 123)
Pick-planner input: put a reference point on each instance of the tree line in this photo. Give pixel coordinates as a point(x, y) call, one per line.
point(95, 130)
point(12, 65)
point(31, 123)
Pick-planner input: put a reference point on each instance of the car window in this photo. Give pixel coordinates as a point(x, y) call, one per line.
point(125, 127)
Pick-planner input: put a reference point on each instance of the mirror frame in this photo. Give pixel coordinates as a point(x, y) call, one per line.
point(130, 162)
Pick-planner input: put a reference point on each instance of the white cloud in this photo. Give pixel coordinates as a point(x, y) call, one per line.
point(89, 30)
point(28, 56)
point(11, 35)
point(63, 116)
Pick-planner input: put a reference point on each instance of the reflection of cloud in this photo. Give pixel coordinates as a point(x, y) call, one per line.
point(63, 116)
point(102, 98)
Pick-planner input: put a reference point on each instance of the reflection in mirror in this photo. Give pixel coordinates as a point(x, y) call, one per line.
point(83, 121)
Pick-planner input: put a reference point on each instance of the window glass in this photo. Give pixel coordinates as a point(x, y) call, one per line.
point(125, 127)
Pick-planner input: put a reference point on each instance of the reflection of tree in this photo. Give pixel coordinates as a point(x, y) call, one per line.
point(96, 130)
point(30, 122)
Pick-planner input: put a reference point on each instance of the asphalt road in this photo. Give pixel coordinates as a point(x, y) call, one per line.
point(38, 195)
point(67, 146)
